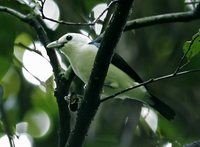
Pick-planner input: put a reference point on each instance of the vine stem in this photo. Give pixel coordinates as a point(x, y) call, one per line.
point(153, 80)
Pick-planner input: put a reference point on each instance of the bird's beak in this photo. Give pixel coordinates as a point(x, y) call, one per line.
point(55, 44)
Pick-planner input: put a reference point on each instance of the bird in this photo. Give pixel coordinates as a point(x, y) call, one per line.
point(81, 51)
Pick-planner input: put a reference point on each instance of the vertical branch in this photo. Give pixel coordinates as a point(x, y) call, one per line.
point(91, 99)
point(62, 83)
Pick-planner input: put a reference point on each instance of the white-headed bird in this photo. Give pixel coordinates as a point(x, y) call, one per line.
point(81, 54)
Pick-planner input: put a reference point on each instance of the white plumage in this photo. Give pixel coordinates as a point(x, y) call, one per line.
point(81, 56)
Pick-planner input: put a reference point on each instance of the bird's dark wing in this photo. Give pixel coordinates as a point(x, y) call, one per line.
point(160, 106)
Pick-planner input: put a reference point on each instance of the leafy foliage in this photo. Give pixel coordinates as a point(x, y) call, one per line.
point(192, 48)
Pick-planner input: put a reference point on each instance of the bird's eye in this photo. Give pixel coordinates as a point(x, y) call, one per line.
point(68, 37)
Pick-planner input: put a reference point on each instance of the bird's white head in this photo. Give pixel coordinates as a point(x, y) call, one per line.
point(69, 39)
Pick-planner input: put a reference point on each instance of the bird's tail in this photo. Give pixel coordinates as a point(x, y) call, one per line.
point(162, 108)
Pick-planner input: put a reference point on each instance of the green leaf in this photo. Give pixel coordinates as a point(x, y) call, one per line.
point(5, 64)
point(23, 39)
point(1, 127)
point(6, 42)
point(192, 48)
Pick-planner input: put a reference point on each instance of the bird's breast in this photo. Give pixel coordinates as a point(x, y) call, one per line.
point(82, 65)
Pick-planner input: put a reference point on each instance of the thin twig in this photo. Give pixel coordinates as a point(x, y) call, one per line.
point(108, 7)
point(21, 64)
point(74, 23)
point(22, 46)
point(151, 81)
point(185, 64)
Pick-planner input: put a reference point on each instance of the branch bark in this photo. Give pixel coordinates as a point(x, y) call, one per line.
point(91, 99)
point(165, 18)
point(62, 83)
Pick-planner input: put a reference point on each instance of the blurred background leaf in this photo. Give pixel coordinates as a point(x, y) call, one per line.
point(6, 41)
